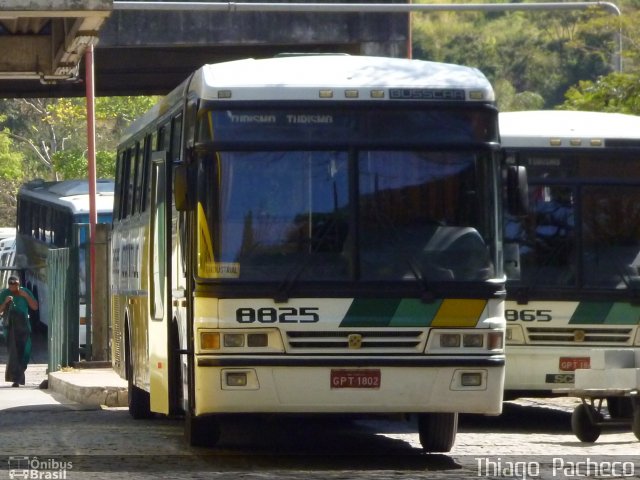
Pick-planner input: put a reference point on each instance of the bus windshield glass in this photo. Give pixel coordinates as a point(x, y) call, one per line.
point(367, 215)
point(582, 230)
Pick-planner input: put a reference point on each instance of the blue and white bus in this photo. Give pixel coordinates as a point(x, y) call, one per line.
point(48, 215)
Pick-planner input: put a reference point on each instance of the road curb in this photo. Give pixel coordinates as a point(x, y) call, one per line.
point(95, 387)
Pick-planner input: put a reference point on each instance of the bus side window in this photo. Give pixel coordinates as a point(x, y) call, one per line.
point(116, 192)
point(190, 123)
point(140, 154)
point(126, 171)
point(176, 136)
point(162, 136)
point(131, 178)
point(143, 181)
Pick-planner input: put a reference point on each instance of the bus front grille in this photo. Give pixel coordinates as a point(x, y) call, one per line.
point(356, 342)
point(577, 335)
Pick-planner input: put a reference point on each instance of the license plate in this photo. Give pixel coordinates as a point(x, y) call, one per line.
point(569, 364)
point(355, 378)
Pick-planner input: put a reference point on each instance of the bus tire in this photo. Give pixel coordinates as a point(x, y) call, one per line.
point(175, 372)
point(437, 431)
point(635, 423)
point(581, 424)
point(620, 407)
point(201, 431)
point(138, 400)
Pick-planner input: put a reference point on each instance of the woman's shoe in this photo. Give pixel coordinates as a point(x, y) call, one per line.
point(15, 384)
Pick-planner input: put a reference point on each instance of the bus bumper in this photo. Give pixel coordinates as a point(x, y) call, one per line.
point(468, 387)
point(543, 368)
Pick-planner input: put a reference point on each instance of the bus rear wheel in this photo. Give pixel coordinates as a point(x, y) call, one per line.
point(437, 431)
point(202, 431)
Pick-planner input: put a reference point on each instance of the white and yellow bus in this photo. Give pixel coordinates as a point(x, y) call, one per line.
point(312, 234)
point(573, 262)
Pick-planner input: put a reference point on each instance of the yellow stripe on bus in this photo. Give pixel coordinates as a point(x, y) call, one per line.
point(204, 245)
point(459, 313)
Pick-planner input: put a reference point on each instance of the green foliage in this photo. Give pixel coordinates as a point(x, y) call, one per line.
point(531, 57)
point(10, 160)
point(74, 164)
point(617, 92)
point(47, 138)
point(11, 175)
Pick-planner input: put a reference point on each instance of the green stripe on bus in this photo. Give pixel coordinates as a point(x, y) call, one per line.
point(370, 312)
point(375, 312)
point(623, 314)
point(415, 313)
point(591, 312)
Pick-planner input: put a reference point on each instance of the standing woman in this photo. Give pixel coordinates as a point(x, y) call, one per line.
point(15, 301)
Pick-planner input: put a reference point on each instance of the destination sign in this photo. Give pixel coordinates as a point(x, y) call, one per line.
point(336, 124)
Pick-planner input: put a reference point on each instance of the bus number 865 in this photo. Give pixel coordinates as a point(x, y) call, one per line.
point(528, 315)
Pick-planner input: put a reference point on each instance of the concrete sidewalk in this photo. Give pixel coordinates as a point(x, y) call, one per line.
point(90, 386)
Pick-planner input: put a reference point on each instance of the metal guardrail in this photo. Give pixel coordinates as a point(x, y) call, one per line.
point(62, 307)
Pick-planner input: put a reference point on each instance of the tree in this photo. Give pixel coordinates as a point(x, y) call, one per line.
point(52, 132)
point(74, 164)
point(616, 92)
point(11, 175)
point(539, 54)
point(47, 138)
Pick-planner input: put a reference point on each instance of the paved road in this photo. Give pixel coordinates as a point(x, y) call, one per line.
point(531, 437)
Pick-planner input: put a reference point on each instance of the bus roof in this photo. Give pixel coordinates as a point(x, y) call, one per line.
point(70, 194)
point(325, 78)
point(571, 129)
point(304, 77)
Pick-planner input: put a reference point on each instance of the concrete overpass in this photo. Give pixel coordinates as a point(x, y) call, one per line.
point(44, 40)
point(149, 52)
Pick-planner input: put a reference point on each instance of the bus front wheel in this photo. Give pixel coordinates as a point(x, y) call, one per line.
point(202, 431)
point(437, 431)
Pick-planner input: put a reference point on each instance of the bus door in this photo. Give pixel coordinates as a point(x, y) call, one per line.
point(157, 271)
point(178, 361)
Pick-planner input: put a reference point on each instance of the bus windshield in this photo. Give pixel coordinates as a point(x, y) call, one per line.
point(582, 230)
point(366, 215)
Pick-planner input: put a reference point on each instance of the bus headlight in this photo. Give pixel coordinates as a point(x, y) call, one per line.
point(240, 341)
point(233, 340)
point(473, 340)
point(467, 341)
point(449, 340)
point(257, 340)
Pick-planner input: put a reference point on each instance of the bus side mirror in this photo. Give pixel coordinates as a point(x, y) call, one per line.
point(517, 190)
point(181, 192)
